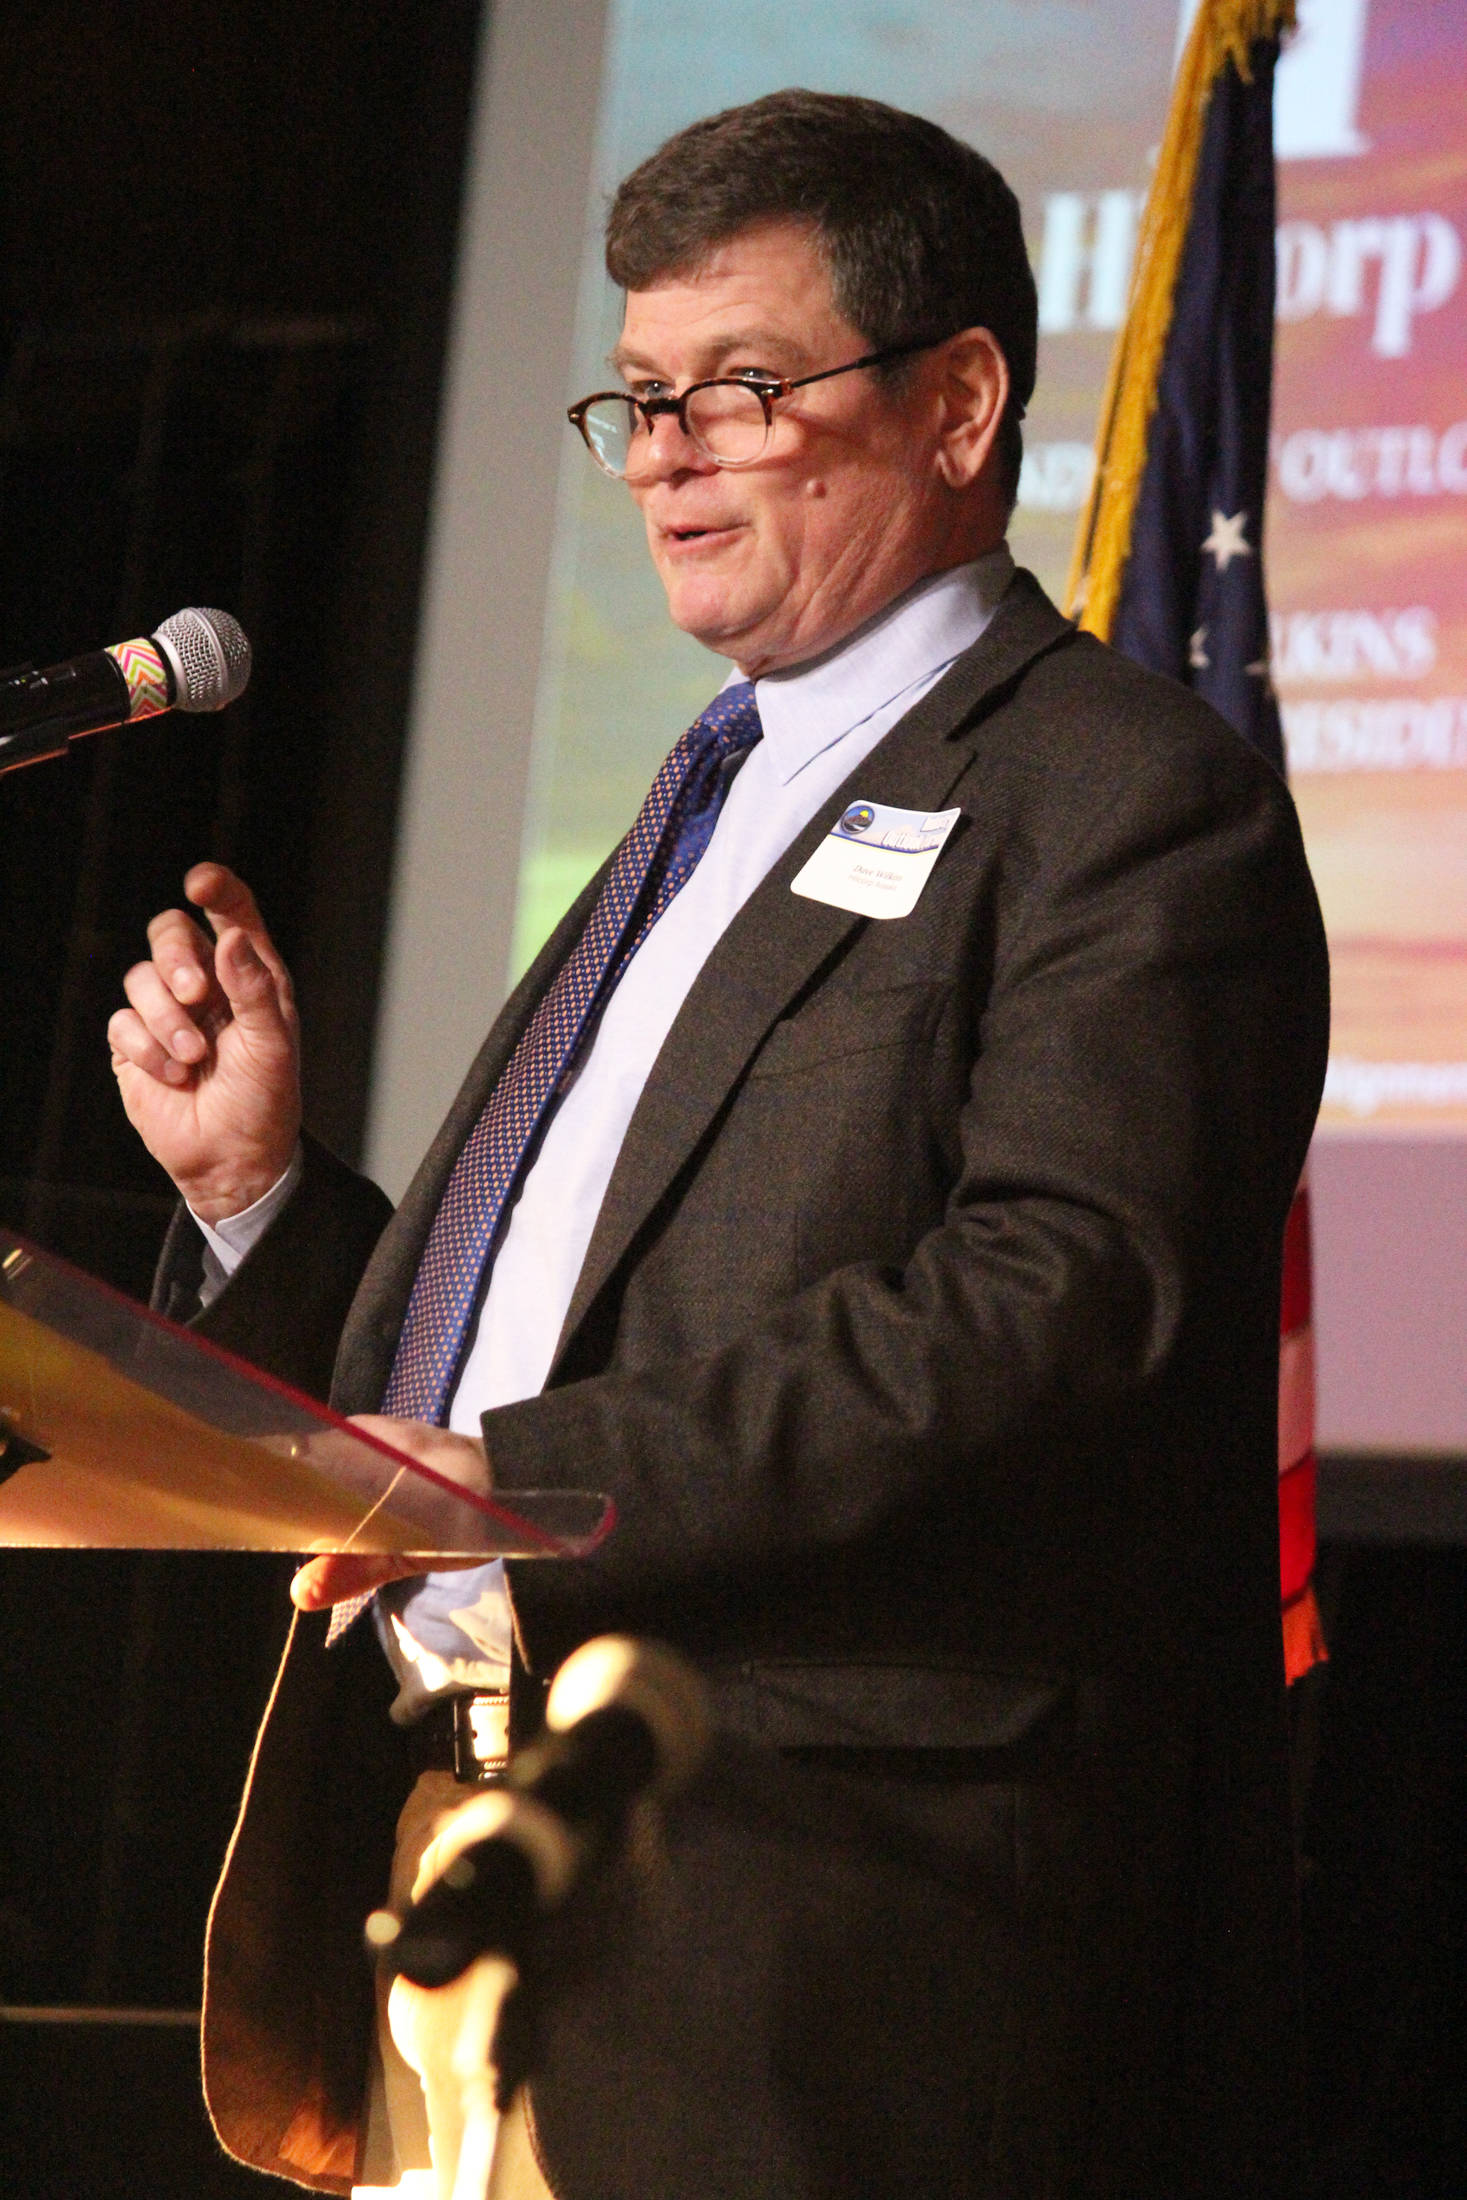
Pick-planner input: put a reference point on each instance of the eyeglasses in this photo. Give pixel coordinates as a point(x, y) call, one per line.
point(729, 420)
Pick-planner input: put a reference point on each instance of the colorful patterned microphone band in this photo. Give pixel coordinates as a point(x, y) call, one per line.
point(146, 676)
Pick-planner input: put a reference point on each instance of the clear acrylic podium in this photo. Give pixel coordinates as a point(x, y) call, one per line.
point(119, 1430)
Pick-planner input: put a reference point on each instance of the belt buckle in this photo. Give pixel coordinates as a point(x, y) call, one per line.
point(481, 1736)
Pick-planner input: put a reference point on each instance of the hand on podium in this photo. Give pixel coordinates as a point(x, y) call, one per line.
point(334, 1578)
point(207, 1054)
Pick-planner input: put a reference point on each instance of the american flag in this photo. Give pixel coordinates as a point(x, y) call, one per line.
point(1169, 561)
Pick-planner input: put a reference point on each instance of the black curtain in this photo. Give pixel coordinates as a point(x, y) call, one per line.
point(227, 234)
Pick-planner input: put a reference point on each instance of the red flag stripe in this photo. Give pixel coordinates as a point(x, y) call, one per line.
point(1296, 1529)
point(1304, 1644)
point(1296, 1397)
point(1296, 1308)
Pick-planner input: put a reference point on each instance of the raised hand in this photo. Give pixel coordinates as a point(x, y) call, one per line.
point(207, 1054)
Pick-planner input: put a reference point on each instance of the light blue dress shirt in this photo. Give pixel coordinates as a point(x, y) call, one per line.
point(452, 1630)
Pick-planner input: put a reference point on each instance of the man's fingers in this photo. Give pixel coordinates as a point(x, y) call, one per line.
point(460, 1459)
point(227, 901)
point(162, 1015)
point(252, 988)
point(223, 898)
point(183, 954)
point(133, 1046)
point(331, 1580)
point(343, 1574)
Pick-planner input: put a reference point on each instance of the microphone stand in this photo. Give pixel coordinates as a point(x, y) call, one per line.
point(460, 2028)
point(627, 1724)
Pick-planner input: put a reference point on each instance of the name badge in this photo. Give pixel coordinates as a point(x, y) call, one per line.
point(876, 860)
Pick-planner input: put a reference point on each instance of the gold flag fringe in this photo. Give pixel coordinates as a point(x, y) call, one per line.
point(1225, 30)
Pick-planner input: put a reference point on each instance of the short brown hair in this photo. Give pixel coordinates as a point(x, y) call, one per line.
point(921, 235)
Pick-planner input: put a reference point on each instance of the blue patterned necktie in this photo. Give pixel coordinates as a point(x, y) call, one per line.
point(653, 863)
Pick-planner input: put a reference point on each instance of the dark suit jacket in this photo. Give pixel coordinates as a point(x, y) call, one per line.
point(927, 1343)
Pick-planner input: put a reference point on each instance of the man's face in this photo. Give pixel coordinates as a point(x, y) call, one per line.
point(776, 562)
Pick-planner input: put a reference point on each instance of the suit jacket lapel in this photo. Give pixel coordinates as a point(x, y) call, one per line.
point(779, 940)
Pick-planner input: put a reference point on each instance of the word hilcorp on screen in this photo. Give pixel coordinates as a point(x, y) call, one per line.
point(1383, 267)
point(1384, 271)
point(1387, 269)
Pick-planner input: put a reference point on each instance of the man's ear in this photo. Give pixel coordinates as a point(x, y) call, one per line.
point(973, 390)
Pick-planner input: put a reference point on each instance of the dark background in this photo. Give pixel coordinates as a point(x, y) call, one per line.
point(227, 234)
point(226, 248)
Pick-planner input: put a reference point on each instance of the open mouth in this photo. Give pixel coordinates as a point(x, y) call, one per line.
point(691, 535)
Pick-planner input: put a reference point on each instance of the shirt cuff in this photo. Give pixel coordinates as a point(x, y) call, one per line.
point(227, 1241)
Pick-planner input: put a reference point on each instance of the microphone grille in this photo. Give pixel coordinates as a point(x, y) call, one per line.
point(209, 655)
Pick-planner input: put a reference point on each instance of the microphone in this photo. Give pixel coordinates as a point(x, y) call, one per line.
point(624, 1719)
point(197, 660)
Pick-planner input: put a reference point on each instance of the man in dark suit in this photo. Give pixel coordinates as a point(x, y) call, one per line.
point(921, 1318)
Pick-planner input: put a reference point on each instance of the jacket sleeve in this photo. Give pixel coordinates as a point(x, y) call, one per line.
point(284, 1307)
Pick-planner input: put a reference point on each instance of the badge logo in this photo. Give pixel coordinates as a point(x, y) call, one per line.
point(859, 818)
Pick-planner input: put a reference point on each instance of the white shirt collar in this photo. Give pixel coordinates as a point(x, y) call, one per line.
point(905, 646)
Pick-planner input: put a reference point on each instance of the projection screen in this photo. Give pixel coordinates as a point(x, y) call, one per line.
point(551, 684)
